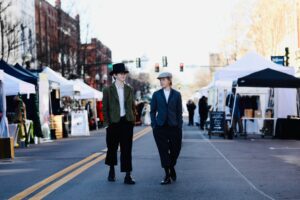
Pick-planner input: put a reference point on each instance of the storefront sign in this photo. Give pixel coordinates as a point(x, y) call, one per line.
point(278, 60)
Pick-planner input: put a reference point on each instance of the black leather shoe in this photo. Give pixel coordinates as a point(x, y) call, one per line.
point(166, 181)
point(173, 174)
point(129, 180)
point(111, 175)
point(111, 178)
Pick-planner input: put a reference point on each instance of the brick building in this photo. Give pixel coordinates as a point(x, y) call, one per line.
point(58, 38)
point(96, 58)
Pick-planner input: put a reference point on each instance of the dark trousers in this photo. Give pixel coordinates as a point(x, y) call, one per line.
point(203, 118)
point(239, 121)
point(168, 140)
point(120, 133)
point(191, 118)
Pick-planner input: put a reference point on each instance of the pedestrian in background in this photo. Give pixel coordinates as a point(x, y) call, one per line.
point(166, 122)
point(119, 116)
point(203, 111)
point(146, 114)
point(191, 110)
point(235, 111)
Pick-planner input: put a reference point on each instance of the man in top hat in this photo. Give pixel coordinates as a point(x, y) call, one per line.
point(119, 116)
point(166, 121)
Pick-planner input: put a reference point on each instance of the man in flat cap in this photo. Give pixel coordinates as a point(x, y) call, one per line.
point(166, 122)
point(119, 116)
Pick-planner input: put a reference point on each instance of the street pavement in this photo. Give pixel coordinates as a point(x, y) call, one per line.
point(207, 169)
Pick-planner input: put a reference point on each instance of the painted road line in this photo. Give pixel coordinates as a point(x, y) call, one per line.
point(283, 148)
point(61, 173)
point(53, 177)
point(66, 179)
point(237, 170)
point(45, 192)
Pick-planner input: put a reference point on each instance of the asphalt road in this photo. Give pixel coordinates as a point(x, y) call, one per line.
point(207, 169)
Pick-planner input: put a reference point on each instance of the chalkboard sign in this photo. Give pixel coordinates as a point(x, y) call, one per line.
point(217, 123)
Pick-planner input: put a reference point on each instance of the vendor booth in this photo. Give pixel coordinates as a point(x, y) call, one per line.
point(43, 98)
point(267, 113)
point(11, 86)
point(61, 99)
point(76, 94)
point(250, 63)
point(30, 101)
point(253, 97)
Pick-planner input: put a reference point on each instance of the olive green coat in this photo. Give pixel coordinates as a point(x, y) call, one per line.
point(111, 106)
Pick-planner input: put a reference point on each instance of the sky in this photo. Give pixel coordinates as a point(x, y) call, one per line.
point(184, 31)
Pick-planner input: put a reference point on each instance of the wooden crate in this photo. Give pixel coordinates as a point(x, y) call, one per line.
point(57, 125)
point(7, 148)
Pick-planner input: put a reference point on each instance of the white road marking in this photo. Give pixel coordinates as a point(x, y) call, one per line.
point(283, 148)
point(237, 171)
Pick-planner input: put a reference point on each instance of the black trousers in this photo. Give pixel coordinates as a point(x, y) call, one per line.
point(191, 118)
point(168, 140)
point(120, 133)
point(203, 118)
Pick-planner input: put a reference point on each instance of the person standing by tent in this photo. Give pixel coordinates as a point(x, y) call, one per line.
point(20, 118)
point(191, 110)
point(166, 122)
point(203, 111)
point(118, 111)
point(235, 112)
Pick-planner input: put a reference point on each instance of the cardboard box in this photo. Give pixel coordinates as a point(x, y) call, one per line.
point(249, 113)
point(257, 114)
point(7, 148)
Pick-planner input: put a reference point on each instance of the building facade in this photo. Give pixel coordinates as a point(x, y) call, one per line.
point(18, 39)
point(96, 59)
point(58, 38)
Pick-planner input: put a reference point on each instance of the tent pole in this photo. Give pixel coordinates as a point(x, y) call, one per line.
point(96, 113)
point(235, 96)
point(298, 102)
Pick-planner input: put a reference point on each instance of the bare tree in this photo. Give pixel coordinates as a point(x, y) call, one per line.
point(9, 31)
point(271, 22)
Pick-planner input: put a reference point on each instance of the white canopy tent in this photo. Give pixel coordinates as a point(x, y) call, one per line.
point(3, 120)
point(67, 88)
point(250, 63)
point(14, 86)
point(87, 92)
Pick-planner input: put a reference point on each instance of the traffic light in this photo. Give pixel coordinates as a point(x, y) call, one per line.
point(157, 67)
point(110, 66)
point(181, 67)
point(287, 56)
point(165, 61)
point(138, 63)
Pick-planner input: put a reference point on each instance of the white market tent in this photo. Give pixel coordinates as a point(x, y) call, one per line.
point(250, 63)
point(67, 88)
point(14, 86)
point(87, 92)
point(3, 121)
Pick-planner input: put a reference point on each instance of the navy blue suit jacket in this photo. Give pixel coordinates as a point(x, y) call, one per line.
point(166, 113)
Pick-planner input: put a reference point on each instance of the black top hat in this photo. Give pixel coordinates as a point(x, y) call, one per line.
point(118, 68)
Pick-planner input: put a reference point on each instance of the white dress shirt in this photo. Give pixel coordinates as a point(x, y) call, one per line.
point(120, 90)
point(167, 94)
